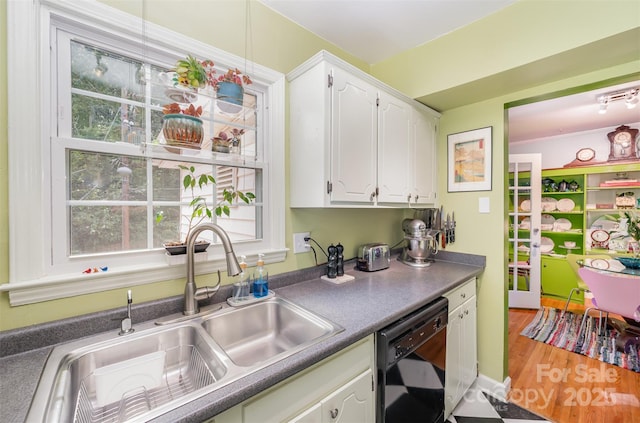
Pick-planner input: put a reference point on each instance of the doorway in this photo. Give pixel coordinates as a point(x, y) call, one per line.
point(545, 126)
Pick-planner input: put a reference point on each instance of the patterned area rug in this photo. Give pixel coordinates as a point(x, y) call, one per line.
point(613, 347)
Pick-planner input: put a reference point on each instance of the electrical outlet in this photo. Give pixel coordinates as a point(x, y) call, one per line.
point(299, 244)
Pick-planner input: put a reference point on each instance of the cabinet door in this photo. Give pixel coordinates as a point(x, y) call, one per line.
point(423, 158)
point(453, 371)
point(354, 402)
point(469, 360)
point(353, 139)
point(394, 150)
point(558, 278)
point(310, 415)
point(462, 351)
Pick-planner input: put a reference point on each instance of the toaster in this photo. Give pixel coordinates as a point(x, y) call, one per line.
point(373, 257)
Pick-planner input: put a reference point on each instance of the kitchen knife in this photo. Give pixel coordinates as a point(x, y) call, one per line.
point(453, 227)
point(443, 229)
point(448, 226)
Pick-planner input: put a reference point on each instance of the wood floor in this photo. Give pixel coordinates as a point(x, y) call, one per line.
point(566, 387)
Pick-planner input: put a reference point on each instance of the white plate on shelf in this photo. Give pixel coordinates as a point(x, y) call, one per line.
point(565, 205)
point(525, 224)
point(605, 224)
point(546, 245)
point(546, 222)
point(525, 206)
point(548, 204)
point(562, 225)
point(547, 219)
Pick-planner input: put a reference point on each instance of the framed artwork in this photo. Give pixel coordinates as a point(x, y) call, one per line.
point(469, 160)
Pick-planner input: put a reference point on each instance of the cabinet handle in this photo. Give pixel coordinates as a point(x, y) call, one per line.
point(417, 196)
point(461, 316)
point(409, 198)
point(334, 413)
point(463, 295)
point(466, 312)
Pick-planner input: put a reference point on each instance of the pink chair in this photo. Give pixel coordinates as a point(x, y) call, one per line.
point(612, 293)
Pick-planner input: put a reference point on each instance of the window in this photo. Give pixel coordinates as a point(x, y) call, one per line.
point(109, 190)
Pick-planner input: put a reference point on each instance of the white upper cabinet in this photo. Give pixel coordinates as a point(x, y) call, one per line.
point(394, 149)
point(422, 172)
point(354, 116)
point(355, 142)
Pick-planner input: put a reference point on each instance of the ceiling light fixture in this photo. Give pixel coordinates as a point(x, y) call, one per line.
point(603, 105)
point(630, 97)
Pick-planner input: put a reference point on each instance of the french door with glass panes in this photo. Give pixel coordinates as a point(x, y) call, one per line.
point(524, 230)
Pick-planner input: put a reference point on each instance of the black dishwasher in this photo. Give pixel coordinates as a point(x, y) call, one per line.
point(410, 357)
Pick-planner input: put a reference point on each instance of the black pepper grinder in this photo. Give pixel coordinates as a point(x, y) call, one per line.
point(332, 262)
point(340, 261)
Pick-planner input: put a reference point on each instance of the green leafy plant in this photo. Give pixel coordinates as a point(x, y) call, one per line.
point(193, 73)
point(200, 208)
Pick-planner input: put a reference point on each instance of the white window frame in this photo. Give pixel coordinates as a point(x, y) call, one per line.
point(30, 117)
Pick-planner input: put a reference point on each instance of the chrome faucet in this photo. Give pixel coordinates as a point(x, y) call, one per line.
point(192, 294)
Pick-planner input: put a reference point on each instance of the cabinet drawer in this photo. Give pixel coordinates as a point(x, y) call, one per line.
point(461, 294)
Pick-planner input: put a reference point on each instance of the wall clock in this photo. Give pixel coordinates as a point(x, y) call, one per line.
point(623, 143)
point(585, 154)
point(584, 157)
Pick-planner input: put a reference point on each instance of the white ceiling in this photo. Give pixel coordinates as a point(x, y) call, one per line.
point(573, 113)
point(374, 30)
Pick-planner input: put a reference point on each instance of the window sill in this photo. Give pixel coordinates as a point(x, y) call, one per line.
point(62, 286)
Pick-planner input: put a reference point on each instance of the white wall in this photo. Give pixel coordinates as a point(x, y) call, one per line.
point(559, 150)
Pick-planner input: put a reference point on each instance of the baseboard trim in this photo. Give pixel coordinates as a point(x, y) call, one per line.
point(494, 388)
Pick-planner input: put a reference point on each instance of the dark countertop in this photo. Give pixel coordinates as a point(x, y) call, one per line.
point(361, 307)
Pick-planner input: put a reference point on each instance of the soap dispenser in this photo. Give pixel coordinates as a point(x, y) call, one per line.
point(260, 279)
point(241, 287)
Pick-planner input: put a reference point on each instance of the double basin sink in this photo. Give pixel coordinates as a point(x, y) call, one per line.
point(154, 370)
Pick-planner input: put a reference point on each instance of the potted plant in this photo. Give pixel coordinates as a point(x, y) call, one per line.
point(182, 126)
point(228, 87)
point(193, 73)
point(227, 141)
point(200, 208)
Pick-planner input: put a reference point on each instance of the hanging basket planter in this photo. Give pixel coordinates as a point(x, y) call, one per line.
point(231, 96)
point(182, 130)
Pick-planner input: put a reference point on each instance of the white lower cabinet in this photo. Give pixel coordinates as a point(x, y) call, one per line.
point(351, 403)
point(340, 388)
point(462, 347)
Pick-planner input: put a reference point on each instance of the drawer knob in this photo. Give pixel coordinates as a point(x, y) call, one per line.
point(334, 413)
point(463, 295)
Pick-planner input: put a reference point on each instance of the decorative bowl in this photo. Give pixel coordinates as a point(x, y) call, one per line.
point(630, 262)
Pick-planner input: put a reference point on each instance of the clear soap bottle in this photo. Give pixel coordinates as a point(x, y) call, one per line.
point(241, 288)
point(260, 279)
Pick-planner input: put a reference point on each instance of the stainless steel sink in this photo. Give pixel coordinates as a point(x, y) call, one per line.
point(266, 330)
point(128, 377)
point(133, 378)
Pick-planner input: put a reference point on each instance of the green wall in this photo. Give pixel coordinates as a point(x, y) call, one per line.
point(278, 44)
point(514, 37)
point(486, 233)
